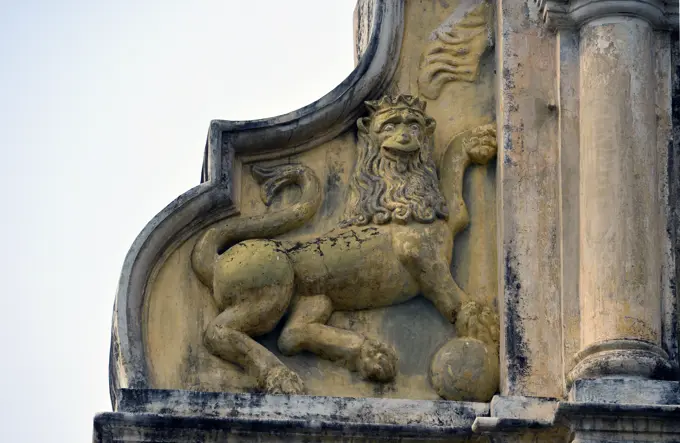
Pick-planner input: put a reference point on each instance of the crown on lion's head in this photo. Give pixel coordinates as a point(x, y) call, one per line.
point(391, 103)
point(394, 177)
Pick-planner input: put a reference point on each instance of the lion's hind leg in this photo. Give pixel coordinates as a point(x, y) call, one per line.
point(253, 288)
point(224, 338)
point(306, 330)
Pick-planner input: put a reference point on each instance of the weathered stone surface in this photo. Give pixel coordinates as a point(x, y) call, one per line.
point(191, 331)
point(148, 428)
point(630, 423)
point(672, 297)
point(220, 196)
point(618, 191)
point(528, 199)
point(520, 407)
point(300, 407)
point(393, 243)
point(568, 78)
point(626, 391)
point(181, 416)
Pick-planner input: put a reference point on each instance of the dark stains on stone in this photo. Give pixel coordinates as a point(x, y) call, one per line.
point(507, 145)
point(670, 395)
point(380, 389)
point(156, 427)
point(332, 190)
point(114, 384)
point(662, 371)
point(674, 194)
point(346, 239)
point(297, 246)
point(515, 345)
point(508, 79)
point(192, 363)
point(164, 415)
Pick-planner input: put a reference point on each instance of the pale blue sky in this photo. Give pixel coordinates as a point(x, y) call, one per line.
point(104, 109)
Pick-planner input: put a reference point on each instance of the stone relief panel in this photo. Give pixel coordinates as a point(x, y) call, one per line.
point(339, 275)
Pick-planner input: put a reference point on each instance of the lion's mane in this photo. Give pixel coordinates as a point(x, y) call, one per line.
point(384, 190)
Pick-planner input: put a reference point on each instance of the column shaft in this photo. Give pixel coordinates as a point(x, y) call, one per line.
point(620, 210)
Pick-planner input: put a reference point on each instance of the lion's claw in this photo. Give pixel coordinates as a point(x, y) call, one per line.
point(376, 361)
point(478, 321)
point(481, 146)
point(281, 380)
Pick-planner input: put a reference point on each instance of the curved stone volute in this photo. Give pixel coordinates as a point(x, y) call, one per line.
point(214, 198)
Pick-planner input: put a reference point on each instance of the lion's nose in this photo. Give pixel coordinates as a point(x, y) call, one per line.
point(405, 138)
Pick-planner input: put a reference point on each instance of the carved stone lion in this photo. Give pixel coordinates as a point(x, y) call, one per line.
point(395, 243)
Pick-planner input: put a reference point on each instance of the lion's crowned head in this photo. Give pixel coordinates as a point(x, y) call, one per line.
point(395, 178)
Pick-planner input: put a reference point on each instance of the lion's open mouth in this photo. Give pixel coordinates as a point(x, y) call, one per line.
point(400, 149)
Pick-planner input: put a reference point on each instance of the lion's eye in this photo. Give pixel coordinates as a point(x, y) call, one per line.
point(389, 127)
point(415, 127)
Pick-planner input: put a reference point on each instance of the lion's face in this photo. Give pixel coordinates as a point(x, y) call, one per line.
point(401, 132)
point(395, 178)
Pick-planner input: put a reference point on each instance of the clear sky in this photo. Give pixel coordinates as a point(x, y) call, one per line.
point(104, 109)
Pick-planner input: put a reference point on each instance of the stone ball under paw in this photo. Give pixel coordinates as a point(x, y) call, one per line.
point(465, 369)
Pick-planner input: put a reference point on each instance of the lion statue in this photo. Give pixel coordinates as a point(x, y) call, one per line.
point(395, 243)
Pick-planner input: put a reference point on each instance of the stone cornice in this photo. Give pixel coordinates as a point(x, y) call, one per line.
point(559, 14)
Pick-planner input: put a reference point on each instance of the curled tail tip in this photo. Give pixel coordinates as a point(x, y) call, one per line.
point(262, 173)
point(273, 178)
point(265, 173)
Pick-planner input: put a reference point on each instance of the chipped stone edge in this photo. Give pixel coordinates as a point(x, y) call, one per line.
point(381, 411)
point(148, 414)
point(214, 198)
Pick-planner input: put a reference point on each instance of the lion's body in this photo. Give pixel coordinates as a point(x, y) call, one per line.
point(396, 243)
point(355, 267)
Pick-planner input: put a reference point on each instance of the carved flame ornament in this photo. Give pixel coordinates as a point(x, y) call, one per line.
point(454, 52)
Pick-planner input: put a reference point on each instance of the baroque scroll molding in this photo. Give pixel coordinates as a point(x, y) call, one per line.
point(214, 198)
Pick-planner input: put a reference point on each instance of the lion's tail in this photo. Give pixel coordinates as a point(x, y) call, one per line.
point(216, 240)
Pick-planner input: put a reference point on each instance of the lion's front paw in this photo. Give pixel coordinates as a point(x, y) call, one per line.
point(281, 380)
point(481, 145)
point(478, 321)
point(376, 361)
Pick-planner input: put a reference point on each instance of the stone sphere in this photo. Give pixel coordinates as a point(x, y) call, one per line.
point(465, 369)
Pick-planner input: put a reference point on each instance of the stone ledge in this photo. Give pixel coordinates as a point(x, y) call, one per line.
point(520, 407)
point(187, 416)
point(605, 417)
point(172, 415)
point(625, 391)
point(128, 427)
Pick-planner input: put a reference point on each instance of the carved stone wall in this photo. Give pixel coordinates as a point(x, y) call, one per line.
point(436, 40)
